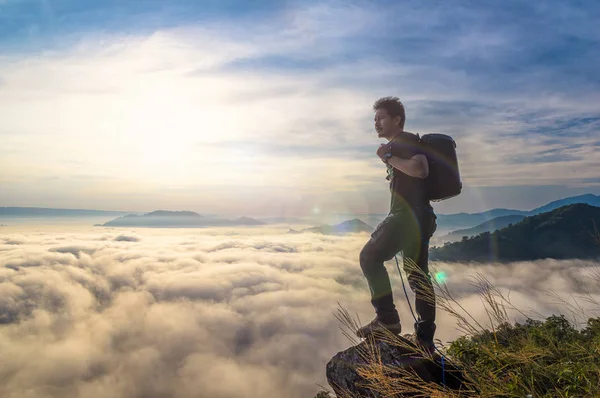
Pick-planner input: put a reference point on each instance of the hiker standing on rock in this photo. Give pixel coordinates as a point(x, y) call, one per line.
point(407, 228)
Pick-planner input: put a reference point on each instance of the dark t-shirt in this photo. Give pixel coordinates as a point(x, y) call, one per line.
point(406, 190)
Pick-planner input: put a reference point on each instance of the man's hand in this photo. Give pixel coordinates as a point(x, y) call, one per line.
point(382, 150)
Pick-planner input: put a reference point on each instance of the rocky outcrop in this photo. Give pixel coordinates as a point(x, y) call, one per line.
point(389, 367)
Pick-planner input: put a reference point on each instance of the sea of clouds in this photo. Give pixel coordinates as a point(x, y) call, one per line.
point(240, 312)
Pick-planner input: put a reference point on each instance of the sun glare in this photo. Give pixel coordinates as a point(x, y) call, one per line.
point(441, 277)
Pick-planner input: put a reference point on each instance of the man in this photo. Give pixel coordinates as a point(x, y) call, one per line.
point(407, 228)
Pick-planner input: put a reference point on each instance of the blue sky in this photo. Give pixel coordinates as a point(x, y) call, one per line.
point(252, 107)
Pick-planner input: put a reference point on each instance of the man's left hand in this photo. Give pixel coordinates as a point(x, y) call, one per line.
point(382, 150)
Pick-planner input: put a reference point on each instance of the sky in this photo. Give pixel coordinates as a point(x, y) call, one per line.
point(220, 312)
point(264, 108)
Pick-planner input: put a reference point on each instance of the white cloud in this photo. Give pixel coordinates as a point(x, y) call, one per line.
point(101, 119)
point(115, 120)
point(179, 312)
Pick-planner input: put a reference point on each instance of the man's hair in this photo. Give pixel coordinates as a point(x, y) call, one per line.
point(393, 106)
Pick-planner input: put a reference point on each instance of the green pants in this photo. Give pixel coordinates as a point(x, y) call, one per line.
point(409, 232)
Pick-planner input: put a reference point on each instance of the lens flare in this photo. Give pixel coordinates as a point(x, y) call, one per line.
point(440, 277)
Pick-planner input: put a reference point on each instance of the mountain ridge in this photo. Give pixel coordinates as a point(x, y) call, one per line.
point(486, 226)
point(467, 220)
point(569, 231)
point(452, 220)
point(177, 219)
point(16, 211)
point(354, 225)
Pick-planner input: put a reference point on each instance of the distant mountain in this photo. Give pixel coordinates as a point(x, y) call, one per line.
point(166, 213)
point(373, 219)
point(177, 219)
point(282, 220)
point(351, 226)
point(38, 212)
point(468, 220)
point(566, 232)
point(248, 221)
point(590, 199)
point(488, 226)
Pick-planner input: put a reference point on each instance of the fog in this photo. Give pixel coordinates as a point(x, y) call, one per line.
point(231, 312)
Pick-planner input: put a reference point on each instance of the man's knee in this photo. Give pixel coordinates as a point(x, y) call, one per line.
point(367, 256)
point(373, 255)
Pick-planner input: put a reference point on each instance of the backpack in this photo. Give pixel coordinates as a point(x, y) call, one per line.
point(443, 181)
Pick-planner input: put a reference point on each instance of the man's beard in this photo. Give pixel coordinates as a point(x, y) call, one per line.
point(382, 134)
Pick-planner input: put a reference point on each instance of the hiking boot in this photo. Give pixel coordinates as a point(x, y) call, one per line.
point(376, 326)
point(425, 346)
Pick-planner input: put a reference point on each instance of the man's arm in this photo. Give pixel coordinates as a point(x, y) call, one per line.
point(416, 166)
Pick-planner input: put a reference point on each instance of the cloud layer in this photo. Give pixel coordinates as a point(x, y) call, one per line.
point(185, 313)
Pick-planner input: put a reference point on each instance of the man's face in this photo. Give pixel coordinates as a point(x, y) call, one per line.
point(385, 125)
